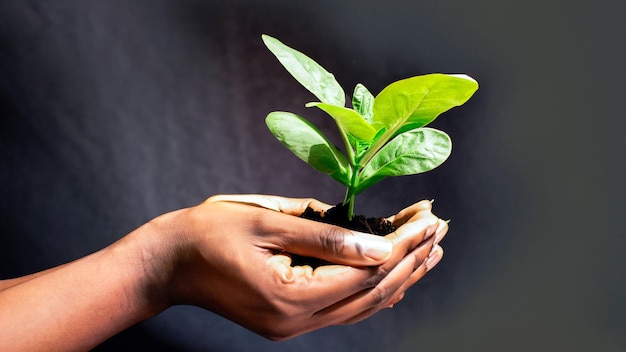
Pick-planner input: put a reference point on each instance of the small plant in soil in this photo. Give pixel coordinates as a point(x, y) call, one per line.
point(383, 135)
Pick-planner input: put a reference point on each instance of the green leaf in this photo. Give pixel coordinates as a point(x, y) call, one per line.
point(308, 72)
point(348, 121)
point(409, 153)
point(363, 102)
point(416, 101)
point(309, 144)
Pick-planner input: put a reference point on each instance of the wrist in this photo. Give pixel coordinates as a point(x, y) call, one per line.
point(156, 247)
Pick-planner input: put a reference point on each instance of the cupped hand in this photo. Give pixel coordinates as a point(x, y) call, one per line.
point(231, 255)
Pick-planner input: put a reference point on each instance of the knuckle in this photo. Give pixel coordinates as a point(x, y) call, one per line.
point(418, 260)
point(379, 295)
point(333, 240)
point(309, 201)
point(377, 277)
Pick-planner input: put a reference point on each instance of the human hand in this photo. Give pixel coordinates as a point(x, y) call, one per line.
point(230, 255)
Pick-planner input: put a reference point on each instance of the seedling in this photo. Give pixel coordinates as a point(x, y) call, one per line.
point(383, 135)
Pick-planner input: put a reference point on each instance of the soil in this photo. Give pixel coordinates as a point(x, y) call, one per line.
point(338, 215)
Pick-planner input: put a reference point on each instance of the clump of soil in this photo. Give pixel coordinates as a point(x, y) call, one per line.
point(338, 215)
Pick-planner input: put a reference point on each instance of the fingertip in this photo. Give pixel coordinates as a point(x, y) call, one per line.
point(422, 205)
point(427, 225)
point(395, 300)
point(403, 216)
point(442, 230)
point(434, 257)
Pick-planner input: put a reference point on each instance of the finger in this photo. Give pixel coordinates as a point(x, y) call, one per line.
point(368, 302)
point(422, 260)
point(441, 231)
point(422, 207)
point(433, 258)
point(413, 234)
point(368, 313)
point(428, 263)
point(297, 206)
point(409, 236)
point(274, 232)
point(405, 240)
point(343, 295)
point(328, 242)
point(292, 206)
point(359, 306)
point(329, 284)
point(396, 300)
point(318, 288)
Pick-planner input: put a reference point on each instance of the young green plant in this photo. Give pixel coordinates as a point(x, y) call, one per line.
point(383, 135)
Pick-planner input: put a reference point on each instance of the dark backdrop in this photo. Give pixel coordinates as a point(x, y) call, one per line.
point(113, 112)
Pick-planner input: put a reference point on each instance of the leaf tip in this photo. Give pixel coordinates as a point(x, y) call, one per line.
point(464, 76)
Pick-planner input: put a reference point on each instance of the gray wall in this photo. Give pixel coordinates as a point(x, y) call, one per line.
point(114, 112)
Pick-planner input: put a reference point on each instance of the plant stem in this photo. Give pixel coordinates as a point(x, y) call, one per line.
point(350, 193)
point(349, 200)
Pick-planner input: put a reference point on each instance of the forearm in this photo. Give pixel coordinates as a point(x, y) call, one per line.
point(80, 304)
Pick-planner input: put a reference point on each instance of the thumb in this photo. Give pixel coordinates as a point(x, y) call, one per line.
point(336, 244)
point(315, 239)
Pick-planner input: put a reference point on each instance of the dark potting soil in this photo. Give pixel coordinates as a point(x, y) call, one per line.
point(338, 215)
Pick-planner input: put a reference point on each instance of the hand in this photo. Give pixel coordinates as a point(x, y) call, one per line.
point(230, 255)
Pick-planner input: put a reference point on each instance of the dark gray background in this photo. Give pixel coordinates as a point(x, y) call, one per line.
point(114, 112)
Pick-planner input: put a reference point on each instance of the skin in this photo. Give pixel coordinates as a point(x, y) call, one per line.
point(229, 255)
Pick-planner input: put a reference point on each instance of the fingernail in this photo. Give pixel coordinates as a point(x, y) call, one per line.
point(373, 247)
point(434, 258)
